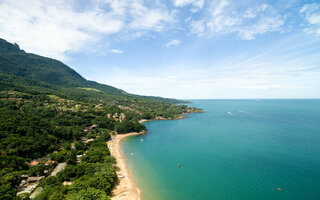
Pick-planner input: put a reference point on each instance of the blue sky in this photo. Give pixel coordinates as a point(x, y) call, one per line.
point(189, 49)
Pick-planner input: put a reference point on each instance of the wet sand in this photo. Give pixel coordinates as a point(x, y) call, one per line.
point(127, 188)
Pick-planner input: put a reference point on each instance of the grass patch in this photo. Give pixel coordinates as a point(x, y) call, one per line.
point(51, 96)
point(91, 89)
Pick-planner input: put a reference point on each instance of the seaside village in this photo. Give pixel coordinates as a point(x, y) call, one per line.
point(55, 162)
point(45, 166)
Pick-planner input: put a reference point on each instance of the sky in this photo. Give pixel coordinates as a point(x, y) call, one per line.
point(186, 49)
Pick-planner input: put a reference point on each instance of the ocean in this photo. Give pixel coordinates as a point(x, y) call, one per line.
point(236, 149)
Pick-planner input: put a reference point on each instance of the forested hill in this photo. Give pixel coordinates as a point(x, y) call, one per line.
point(45, 75)
point(49, 115)
point(19, 63)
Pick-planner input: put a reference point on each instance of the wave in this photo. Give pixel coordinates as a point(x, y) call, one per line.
point(230, 113)
point(241, 111)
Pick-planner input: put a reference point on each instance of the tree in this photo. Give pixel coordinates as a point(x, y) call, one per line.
point(7, 192)
point(88, 194)
point(23, 196)
point(50, 182)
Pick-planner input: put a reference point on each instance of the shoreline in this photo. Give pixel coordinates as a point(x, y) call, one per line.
point(127, 188)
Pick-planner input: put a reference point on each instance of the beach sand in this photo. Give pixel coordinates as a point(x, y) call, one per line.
point(127, 188)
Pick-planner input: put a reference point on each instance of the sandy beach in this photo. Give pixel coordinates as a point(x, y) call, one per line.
point(127, 188)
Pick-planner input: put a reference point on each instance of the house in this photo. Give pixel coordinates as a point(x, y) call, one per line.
point(122, 117)
point(83, 138)
point(79, 158)
point(34, 163)
point(90, 127)
point(67, 183)
point(27, 186)
point(49, 162)
point(89, 140)
point(25, 177)
point(93, 126)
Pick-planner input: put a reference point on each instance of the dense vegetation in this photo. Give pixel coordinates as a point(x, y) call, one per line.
point(93, 178)
point(49, 111)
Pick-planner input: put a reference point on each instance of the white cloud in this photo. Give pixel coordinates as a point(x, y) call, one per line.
point(196, 4)
point(197, 27)
point(263, 26)
point(225, 17)
point(52, 28)
point(217, 83)
point(223, 24)
point(285, 69)
point(150, 19)
point(181, 3)
point(55, 28)
point(173, 43)
point(254, 11)
point(117, 51)
point(218, 8)
point(311, 13)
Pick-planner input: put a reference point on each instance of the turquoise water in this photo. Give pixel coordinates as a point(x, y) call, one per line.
point(237, 149)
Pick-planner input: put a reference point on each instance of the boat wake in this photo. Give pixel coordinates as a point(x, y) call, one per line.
point(241, 111)
point(230, 113)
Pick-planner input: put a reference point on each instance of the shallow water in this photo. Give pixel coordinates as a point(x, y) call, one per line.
point(237, 149)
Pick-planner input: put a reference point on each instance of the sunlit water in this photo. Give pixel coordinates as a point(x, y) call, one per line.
point(237, 149)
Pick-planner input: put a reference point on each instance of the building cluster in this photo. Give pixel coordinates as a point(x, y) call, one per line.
point(117, 117)
point(28, 182)
point(128, 108)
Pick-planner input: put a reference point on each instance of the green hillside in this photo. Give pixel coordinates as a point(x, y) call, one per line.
point(45, 75)
point(49, 114)
point(14, 61)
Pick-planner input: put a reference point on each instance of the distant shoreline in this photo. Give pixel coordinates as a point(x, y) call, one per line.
point(127, 188)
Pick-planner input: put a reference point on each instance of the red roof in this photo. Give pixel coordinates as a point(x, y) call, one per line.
point(49, 162)
point(33, 163)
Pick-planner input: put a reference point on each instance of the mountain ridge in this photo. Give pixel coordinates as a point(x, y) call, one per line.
point(51, 73)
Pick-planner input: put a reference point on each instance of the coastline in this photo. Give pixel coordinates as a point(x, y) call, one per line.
point(127, 188)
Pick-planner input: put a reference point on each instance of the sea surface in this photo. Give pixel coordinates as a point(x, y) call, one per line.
point(236, 149)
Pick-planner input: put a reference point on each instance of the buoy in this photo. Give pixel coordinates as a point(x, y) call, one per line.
point(179, 165)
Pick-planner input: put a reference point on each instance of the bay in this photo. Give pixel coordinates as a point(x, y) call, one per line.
point(236, 149)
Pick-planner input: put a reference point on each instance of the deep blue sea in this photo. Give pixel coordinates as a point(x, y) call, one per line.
point(236, 149)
